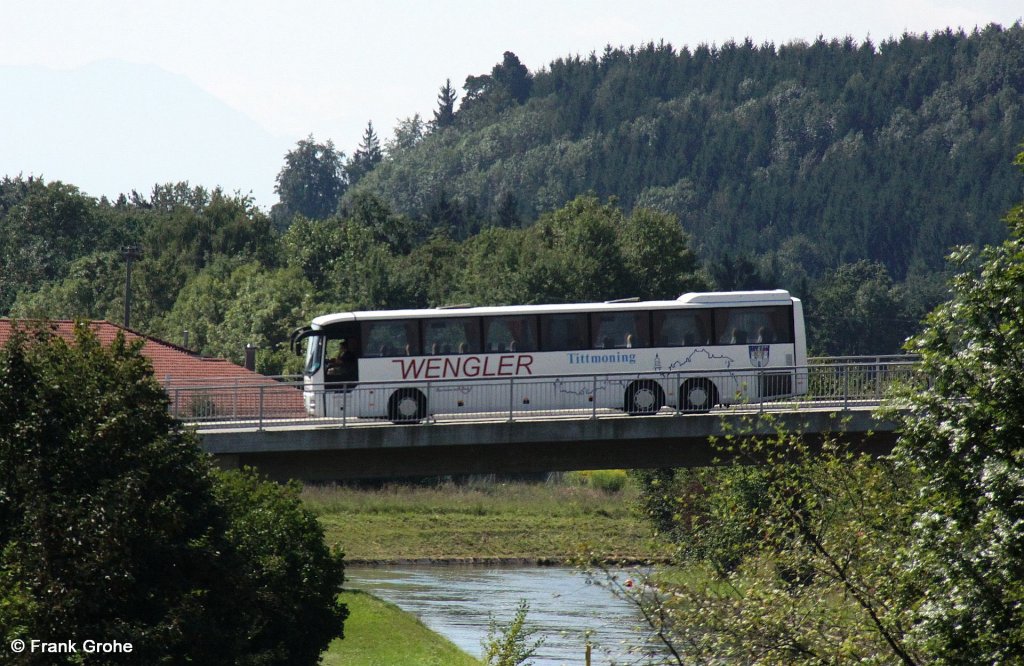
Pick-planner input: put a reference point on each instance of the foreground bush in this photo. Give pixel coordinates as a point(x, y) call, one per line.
point(114, 527)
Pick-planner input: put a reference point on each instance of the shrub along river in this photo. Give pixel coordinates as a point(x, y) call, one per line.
point(567, 608)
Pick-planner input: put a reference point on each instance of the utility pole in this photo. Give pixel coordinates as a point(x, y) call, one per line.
point(130, 254)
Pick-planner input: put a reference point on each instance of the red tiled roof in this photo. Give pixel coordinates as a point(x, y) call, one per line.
point(181, 371)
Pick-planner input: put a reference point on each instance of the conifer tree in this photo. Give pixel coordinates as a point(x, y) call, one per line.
point(366, 157)
point(444, 116)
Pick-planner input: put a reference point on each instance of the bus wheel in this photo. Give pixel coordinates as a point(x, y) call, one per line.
point(407, 406)
point(697, 395)
point(644, 397)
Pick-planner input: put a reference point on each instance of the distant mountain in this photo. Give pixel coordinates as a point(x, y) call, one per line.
point(112, 127)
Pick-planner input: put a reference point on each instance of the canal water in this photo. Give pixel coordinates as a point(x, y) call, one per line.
point(567, 608)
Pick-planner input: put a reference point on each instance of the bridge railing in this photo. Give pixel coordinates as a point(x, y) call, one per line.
point(844, 384)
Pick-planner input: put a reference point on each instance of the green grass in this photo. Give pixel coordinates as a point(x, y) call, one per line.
point(555, 522)
point(497, 521)
point(378, 633)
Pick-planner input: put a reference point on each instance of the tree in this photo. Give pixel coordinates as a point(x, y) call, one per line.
point(509, 84)
point(169, 196)
point(200, 305)
point(43, 228)
point(444, 115)
point(513, 644)
point(857, 310)
point(825, 555)
point(231, 304)
point(369, 210)
point(182, 241)
point(544, 264)
point(645, 255)
point(408, 133)
point(562, 272)
point(507, 213)
point(454, 216)
point(513, 77)
point(965, 431)
point(262, 310)
point(367, 156)
point(113, 525)
point(287, 568)
point(738, 273)
point(344, 260)
point(658, 259)
point(786, 555)
point(92, 289)
point(426, 275)
point(310, 183)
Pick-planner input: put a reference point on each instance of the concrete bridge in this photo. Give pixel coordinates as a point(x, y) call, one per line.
point(840, 403)
point(332, 453)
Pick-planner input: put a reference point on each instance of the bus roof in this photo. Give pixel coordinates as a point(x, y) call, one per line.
point(695, 299)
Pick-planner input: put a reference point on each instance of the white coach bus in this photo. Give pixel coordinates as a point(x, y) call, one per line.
point(692, 353)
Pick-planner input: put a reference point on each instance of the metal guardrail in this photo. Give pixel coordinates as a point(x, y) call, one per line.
point(864, 359)
point(279, 402)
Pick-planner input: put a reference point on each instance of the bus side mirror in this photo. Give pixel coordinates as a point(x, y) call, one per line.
point(296, 337)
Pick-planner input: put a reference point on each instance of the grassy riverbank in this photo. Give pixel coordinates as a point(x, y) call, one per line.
point(492, 522)
point(550, 522)
point(380, 634)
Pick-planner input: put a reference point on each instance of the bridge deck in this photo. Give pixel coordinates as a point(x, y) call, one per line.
point(326, 452)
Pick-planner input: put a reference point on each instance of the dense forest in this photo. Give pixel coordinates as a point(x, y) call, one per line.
point(816, 154)
point(844, 172)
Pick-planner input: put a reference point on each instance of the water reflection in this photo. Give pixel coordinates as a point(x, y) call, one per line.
point(565, 607)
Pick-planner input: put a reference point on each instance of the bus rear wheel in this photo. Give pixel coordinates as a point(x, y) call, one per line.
point(407, 406)
point(644, 397)
point(697, 395)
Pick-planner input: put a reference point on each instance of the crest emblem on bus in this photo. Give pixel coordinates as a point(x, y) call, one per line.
point(759, 355)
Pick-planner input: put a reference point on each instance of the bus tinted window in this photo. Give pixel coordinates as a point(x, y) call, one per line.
point(314, 353)
point(451, 336)
point(559, 332)
point(767, 325)
point(619, 330)
point(682, 328)
point(390, 338)
point(517, 333)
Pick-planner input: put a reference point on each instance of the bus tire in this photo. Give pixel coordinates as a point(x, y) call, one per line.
point(643, 397)
point(698, 396)
point(407, 405)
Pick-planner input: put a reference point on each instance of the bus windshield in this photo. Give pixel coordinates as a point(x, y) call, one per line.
point(314, 353)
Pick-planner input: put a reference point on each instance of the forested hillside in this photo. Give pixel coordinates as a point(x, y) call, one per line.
point(813, 154)
point(844, 172)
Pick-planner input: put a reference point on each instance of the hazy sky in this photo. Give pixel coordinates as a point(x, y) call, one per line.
point(326, 67)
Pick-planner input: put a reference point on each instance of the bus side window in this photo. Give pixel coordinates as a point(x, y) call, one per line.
point(620, 330)
point(560, 332)
point(449, 336)
point(514, 333)
point(754, 325)
point(781, 323)
point(389, 338)
point(687, 328)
